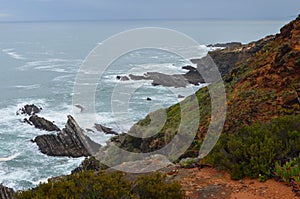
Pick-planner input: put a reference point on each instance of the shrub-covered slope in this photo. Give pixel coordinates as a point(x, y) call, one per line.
point(263, 84)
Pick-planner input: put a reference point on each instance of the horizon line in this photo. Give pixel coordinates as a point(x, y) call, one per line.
point(147, 19)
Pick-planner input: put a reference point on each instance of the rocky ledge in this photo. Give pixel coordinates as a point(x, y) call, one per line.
point(41, 123)
point(70, 142)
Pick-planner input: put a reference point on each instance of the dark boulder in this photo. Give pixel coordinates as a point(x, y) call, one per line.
point(6, 193)
point(42, 123)
point(29, 110)
point(70, 142)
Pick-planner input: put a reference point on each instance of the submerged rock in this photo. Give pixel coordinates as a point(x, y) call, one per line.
point(70, 142)
point(6, 193)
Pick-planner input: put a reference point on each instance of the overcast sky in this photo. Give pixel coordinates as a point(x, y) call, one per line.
point(35, 10)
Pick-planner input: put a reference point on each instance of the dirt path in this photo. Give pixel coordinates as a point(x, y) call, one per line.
point(208, 183)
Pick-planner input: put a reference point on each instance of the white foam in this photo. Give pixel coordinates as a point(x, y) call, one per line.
point(28, 87)
point(9, 157)
point(30, 167)
point(53, 65)
point(12, 53)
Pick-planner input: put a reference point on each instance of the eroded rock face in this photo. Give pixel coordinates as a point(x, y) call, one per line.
point(42, 123)
point(70, 142)
point(6, 193)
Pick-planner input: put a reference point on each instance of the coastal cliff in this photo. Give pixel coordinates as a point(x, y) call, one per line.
point(262, 82)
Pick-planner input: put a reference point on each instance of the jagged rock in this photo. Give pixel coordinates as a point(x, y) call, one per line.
point(177, 80)
point(6, 193)
point(29, 110)
point(105, 130)
point(90, 164)
point(42, 123)
point(70, 142)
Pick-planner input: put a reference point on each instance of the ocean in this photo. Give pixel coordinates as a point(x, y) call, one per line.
point(38, 65)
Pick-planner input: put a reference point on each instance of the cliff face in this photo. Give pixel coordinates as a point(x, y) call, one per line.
point(262, 82)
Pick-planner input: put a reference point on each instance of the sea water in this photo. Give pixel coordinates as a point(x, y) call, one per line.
point(38, 65)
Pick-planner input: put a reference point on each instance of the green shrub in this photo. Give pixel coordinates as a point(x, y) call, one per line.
point(289, 170)
point(252, 151)
point(154, 186)
point(104, 185)
point(82, 185)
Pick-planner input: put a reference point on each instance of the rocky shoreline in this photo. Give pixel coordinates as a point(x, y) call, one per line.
point(71, 141)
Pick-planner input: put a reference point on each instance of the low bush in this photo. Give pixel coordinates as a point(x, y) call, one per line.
point(289, 170)
point(103, 185)
point(253, 150)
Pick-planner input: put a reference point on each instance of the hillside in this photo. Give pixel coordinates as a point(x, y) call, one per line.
point(263, 84)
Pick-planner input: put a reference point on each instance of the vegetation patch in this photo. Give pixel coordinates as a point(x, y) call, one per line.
point(253, 151)
point(105, 185)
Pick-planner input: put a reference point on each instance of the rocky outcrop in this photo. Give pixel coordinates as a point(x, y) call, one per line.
point(70, 142)
point(29, 109)
point(90, 164)
point(38, 122)
point(42, 123)
point(122, 78)
point(225, 59)
point(105, 129)
point(176, 80)
point(226, 45)
point(6, 193)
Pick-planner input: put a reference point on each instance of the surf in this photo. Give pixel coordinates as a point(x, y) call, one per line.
point(9, 158)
